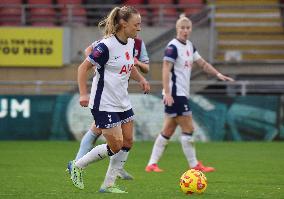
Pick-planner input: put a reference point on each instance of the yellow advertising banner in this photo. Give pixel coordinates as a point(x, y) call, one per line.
point(31, 47)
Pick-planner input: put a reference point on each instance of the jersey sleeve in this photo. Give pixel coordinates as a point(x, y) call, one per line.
point(143, 54)
point(196, 55)
point(99, 55)
point(171, 53)
point(95, 43)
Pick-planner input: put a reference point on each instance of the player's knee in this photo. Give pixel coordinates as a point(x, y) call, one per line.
point(115, 147)
point(165, 135)
point(128, 142)
point(168, 132)
point(187, 129)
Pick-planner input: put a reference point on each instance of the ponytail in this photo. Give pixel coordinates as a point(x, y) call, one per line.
point(111, 24)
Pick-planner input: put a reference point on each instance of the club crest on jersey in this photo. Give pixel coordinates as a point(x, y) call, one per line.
point(97, 52)
point(127, 56)
point(126, 68)
point(169, 50)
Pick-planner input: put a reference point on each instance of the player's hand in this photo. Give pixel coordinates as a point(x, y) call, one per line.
point(145, 86)
point(84, 100)
point(225, 78)
point(135, 61)
point(168, 100)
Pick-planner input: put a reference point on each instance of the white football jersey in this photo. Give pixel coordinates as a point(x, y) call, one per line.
point(113, 60)
point(182, 55)
point(143, 54)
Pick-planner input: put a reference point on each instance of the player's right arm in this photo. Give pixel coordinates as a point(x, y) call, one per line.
point(82, 82)
point(88, 50)
point(168, 63)
point(97, 58)
point(167, 67)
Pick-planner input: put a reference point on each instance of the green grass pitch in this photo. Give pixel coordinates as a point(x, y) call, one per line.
point(244, 170)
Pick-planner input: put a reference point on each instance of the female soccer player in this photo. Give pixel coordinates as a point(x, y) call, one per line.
point(113, 58)
point(177, 63)
point(141, 61)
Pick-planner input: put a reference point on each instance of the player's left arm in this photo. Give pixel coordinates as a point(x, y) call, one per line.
point(144, 84)
point(142, 66)
point(211, 70)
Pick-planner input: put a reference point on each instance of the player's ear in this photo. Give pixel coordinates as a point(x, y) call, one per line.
point(123, 23)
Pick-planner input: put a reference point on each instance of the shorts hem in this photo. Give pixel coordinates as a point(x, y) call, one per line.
point(108, 126)
point(129, 119)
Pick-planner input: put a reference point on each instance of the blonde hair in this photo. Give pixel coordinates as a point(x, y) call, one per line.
point(111, 24)
point(182, 17)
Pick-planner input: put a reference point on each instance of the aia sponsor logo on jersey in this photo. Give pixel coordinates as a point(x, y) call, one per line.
point(126, 68)
point(187, 64)
point(127, 56)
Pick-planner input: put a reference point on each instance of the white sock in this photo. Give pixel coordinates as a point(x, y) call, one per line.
point(96, 154)
point(188, 148)
point(86, 144)
point(117, 162)
point(158, 149)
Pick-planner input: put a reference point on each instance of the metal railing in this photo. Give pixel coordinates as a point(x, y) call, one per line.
point(208, 87)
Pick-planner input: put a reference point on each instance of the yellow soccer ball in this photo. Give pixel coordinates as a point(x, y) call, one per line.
point(193, 181)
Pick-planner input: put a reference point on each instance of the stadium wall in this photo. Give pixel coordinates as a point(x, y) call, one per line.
point(199, 37)
point(84, 36)
point(75, 40)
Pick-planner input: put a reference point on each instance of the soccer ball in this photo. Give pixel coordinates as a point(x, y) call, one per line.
point(193, 181)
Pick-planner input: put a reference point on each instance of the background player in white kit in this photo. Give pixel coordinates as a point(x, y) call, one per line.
point(113, 58)
point(89, 139)
point(177, 64)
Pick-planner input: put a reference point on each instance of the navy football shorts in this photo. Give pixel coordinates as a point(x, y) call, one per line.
point(179, 107)
point(106, 120)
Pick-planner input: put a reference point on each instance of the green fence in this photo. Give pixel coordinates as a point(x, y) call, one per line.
point(215, 118)
point(241, 117)
point(33, 117)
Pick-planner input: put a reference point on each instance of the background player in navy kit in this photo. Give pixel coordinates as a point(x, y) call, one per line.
point(177, 63)
point(141, 61)
point(113, 58)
